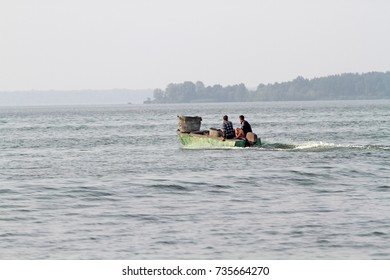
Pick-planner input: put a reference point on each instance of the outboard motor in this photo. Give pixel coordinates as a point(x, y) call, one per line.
point(251, 138)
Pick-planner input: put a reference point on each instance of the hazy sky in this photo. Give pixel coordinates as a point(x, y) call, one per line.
point(103, 44)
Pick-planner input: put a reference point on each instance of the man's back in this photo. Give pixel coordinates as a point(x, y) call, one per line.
point(228, 130)
point(246, 127)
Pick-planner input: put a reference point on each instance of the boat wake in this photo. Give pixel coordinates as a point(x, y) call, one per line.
point(314, 146)
point(320, 146)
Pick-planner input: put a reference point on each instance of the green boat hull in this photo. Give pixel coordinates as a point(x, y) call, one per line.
point(192, 140)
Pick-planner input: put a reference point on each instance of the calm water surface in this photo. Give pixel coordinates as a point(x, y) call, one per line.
point(112, 182)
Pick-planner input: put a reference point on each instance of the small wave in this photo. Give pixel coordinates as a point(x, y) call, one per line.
point(314, 145)
point(278, 146)
point(374, 233)
point(384, 188)
point(169, 187)
point(377, 147)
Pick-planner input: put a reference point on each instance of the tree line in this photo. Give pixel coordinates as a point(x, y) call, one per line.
point(373, 85)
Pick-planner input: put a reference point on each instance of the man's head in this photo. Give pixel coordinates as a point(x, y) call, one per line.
point(241, 117)
point(225, 118)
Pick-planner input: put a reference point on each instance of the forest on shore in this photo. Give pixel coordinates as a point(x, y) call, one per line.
point(372, 85)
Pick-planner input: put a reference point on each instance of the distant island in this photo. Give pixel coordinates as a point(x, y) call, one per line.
point(373, 85)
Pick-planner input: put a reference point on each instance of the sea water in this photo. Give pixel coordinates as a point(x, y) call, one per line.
point(113, 182)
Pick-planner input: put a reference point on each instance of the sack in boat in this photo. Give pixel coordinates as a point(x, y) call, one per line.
point(213, 132)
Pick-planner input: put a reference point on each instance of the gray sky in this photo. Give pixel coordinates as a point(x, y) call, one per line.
point(103, 44)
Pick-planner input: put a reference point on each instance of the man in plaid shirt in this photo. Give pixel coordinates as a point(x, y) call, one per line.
point(228, 131)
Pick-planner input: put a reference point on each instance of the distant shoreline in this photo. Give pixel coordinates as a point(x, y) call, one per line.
point(348, 86)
